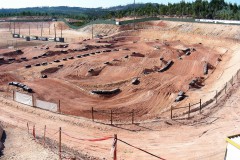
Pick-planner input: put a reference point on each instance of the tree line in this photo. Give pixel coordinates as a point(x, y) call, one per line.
point(213, 9)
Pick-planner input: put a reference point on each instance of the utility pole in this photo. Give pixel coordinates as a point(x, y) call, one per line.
point(61, 30)
point(92, 31)
point(49, 28)
point(134, 15)
point(19, 28)
point(41, 29)
point(55, 32)
point(29, 29)
point(60, 144)
point(14, 27)
point(182, 8)
point(10, 27)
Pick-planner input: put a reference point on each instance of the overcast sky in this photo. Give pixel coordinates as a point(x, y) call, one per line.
point(81, 3)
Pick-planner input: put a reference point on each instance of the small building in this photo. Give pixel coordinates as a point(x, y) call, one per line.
point(233, 148)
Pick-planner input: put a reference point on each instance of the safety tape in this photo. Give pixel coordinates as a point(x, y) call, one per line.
point(141, 150)
point(51, 133)
point(91, 140)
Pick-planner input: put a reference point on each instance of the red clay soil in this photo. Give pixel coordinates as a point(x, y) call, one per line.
point(72, 84)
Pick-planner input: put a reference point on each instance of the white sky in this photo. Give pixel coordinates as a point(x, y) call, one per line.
point(80, 3)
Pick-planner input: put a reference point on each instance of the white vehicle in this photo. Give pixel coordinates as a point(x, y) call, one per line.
point(51, 39)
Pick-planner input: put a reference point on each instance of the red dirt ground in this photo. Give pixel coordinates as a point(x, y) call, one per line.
point(156, 92)
point(196, 138)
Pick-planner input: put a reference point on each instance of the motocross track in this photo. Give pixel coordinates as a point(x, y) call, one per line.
point(202, 137)
point(151, 98)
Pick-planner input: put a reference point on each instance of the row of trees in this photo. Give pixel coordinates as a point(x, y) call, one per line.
point(215, 9)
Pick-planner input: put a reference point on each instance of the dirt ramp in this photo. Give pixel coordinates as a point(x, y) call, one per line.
point(101, 29)
point(59, 25)
point(7, 77)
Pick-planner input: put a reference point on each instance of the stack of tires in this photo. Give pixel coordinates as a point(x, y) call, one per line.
point(1, 134)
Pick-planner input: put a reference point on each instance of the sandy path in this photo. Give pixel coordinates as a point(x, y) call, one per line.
point(19, 145)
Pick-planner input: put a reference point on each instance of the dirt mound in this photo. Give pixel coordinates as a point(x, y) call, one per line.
point(12, 53)
point(7, 77)
point(50, 70)
point(100, 29)
point(59, 26)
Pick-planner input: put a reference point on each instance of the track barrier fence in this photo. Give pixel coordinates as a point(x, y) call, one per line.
point(115, 117)
point(54, 140)
point(199, 106)
point(30, 100)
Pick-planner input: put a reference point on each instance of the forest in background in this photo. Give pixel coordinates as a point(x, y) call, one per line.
point(214, 9)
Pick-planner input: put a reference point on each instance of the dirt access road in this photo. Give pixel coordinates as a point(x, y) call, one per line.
point(20, 145)
point(186, 140)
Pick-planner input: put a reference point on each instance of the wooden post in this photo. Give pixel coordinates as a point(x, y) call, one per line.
point(61, 31)
point(189, 107)
point(33, 103)
point(44, 136)
point(115, 147)
point(226, 88)
point(28, 127)
point(60, 141)
point(171, 111)
point(200, 105)
point(13, 95)
point(133, 116)
point(41, 29)
point(59, 106)
point(29, 29)
point(92, 115)
point(55, 32)
point(19, 28)
point(92, 31)
point(14, 27)
point(111, 117)
point(232, 80)
point(34, 134)
point(49, 28)
point(216, 95)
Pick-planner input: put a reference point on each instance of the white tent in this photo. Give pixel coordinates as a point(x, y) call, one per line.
point(233, 148)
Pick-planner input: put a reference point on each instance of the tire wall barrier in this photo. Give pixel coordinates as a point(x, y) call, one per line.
point(1, 134)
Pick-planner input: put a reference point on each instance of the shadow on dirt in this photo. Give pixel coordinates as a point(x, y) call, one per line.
point(4, 137)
